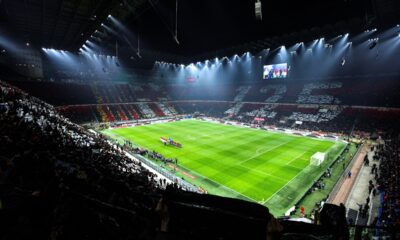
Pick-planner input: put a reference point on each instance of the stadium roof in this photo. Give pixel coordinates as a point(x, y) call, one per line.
point(203, 25)
point(60, 24)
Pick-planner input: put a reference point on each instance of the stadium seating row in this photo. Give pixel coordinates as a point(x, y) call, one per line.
point(356, 92)
point(334, 118)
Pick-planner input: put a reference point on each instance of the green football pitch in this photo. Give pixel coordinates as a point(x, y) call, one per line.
point(270, 168)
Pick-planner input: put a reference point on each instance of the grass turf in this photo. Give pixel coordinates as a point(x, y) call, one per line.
point(266, 167)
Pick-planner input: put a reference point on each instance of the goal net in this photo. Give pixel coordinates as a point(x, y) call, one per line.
point(318, 158)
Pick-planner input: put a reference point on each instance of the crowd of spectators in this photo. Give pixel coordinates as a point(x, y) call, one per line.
point(148, 153)
point(59, 180)
point(347, 121)
point(279, 91)
point(306, 97)
point(388, 180)
point(159, 157)
point(146, 110)
point(241, 93)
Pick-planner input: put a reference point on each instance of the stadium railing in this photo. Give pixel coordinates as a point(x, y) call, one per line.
point(167, 174)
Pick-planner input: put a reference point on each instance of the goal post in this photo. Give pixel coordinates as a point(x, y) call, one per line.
point(318, 158)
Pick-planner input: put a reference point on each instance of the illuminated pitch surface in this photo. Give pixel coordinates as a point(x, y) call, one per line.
point(256, 165)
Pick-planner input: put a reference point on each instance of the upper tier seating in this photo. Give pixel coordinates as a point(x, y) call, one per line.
point(59, 94)
point(377, 92)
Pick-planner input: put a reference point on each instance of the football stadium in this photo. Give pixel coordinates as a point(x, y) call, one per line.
point(199, 119)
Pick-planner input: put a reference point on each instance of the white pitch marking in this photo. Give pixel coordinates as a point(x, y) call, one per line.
point(259, 154)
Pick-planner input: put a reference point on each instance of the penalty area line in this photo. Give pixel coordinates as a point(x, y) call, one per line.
point(291, 180)
point(223, 186)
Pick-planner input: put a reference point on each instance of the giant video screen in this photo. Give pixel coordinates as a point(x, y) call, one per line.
point(275, 71)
